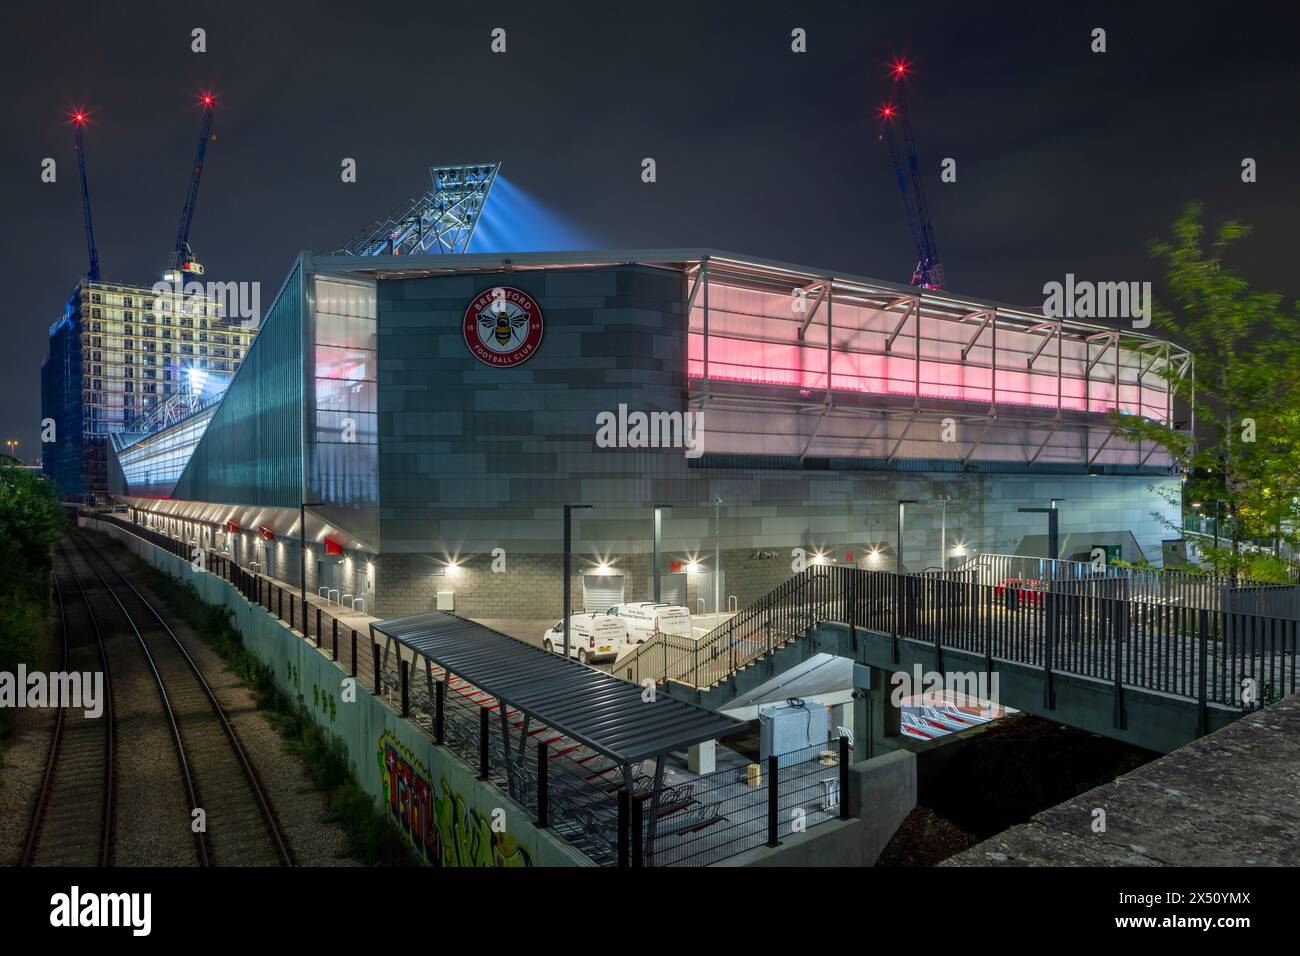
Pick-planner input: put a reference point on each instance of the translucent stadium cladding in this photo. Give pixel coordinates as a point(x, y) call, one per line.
point(794, 364)
point(794, 369)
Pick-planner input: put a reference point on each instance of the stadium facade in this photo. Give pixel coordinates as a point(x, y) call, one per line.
point(432, 415)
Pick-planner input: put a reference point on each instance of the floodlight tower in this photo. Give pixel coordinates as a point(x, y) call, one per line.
point(182, 262)
point(928, 273)
point(441, 220)
point(78, 121)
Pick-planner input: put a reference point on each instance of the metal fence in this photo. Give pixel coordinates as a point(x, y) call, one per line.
point(1161, 586)
point(587, 798)
point(1230, 657)
point(582, 796)
point(742, 806)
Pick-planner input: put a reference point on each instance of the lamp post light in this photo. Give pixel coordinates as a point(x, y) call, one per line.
point(943, 533)
point(717, 554)
point(1053, 536)
point(658, 539)
point(898, 545)
point(568, 545)
point(302, 551)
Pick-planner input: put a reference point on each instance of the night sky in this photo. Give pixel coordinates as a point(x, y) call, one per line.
point(1068, 161)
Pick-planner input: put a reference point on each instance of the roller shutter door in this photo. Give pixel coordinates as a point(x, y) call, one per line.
point(600, 592)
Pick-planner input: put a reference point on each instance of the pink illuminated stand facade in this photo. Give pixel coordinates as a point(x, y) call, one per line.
point(789, 363)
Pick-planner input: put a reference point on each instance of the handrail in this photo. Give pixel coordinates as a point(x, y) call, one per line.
point(1108, 634)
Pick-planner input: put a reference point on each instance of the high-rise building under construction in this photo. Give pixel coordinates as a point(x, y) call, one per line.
point(119, 356)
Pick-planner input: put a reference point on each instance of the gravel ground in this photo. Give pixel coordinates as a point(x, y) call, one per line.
point(154, 830)
point(20, 779)
point(298, 804)
point(152, 817)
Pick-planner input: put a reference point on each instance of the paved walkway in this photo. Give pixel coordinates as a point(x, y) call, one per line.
point(344, 613)
point(1227, 799)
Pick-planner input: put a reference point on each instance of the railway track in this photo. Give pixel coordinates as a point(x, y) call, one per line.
point(72, 823)
point(221, 785)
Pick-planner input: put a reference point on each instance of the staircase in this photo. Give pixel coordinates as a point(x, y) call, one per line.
point(764, 638)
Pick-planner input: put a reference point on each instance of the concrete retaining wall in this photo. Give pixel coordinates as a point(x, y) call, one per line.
point(449, 816)
point(882, 792)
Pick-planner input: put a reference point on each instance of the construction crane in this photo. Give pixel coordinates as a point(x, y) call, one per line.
point(928, 273)
point(182, 262)
point(78, 121)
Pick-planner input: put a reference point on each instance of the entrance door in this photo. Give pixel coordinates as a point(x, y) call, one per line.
point(704, 593)
point(326, 575)
point(672, 589)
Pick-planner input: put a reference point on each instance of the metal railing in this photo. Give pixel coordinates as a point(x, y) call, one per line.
point(1211, 656)
point(1162, 586)
point(284, 603)
point(579, 794)
point(591, 801)
point(741, 807)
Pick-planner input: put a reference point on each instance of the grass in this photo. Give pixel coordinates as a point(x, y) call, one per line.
point(369, 837)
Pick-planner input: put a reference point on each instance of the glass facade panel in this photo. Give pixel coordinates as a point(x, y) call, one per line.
point(344, 442)
point(759, 337)
point(252, 451)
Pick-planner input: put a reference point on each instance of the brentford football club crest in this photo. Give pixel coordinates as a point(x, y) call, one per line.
point(503, 327)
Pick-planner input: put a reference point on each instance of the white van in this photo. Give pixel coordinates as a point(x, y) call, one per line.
point(592, 637)
point(644, 619)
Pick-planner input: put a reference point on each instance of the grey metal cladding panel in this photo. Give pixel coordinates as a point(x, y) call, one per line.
point(635, 346)
point(581, 368)
point(438, 287)
point(655, 284)
point(495, 461)
point(582, 284)
point(642, 315)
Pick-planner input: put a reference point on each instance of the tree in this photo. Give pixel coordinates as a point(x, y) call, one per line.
point(1245, 453)
point(31, 520)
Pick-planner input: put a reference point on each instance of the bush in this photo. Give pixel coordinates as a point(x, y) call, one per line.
point(22, 641)
point(31, 520)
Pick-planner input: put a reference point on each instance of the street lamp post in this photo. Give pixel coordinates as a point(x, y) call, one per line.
point(658, 538)
point(302, 551)
point(1053, 537)
point(568, 544)
point(898, 545)
point(717, 554)
point(943, 533)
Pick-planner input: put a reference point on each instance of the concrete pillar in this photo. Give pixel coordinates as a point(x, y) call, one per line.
point(842, 716)
point(702, 758)
point(876, 722)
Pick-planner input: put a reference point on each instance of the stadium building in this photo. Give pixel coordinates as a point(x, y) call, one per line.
point(421, 421)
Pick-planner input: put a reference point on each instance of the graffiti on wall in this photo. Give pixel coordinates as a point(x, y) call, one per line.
point(441, 827)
